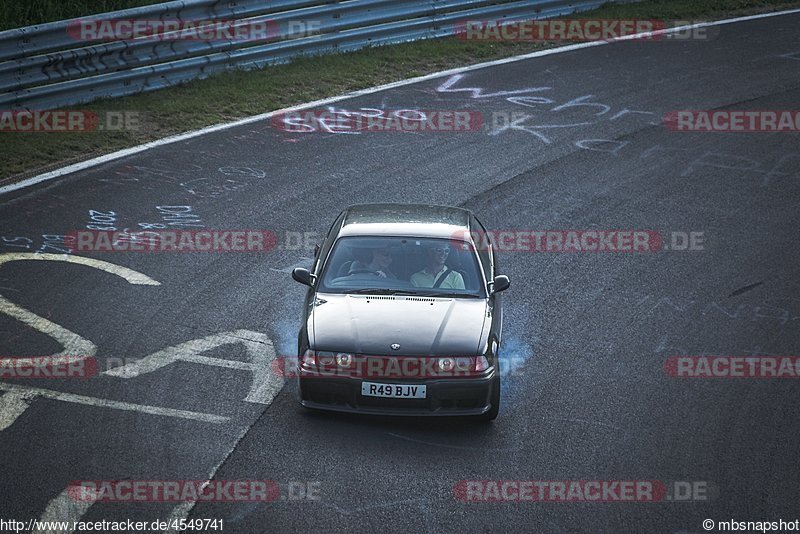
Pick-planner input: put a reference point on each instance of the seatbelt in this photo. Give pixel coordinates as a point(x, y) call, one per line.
point(442, 278)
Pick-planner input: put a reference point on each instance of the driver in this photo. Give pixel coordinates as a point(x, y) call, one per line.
point(376, 260)
point(436, 273)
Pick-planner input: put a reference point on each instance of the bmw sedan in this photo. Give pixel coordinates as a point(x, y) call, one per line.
point(402, 315)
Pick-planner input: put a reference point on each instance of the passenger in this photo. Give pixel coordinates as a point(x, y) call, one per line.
point(436, 273)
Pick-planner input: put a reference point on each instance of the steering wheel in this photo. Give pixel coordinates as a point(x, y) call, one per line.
point(363, 271)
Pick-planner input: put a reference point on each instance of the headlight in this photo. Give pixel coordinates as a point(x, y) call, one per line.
point(446, 364)
point(464, 364)
point(326, 358)
point(344, 360)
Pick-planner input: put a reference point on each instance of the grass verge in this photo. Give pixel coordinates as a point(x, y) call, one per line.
point(19, 13)
point(238, 94)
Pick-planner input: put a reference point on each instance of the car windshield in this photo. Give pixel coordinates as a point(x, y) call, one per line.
point(403, 265)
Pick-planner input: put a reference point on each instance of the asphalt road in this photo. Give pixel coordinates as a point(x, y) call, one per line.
point(586, 396)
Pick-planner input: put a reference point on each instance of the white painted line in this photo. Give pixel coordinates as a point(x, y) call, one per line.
point(12, 405)
point(219, 127)
point(105, 403)
point(266, 385)
point(260, 349)
point(133, 277)
point(63, 509)
point(263, 392)
point(74, 345)
point(183, 510)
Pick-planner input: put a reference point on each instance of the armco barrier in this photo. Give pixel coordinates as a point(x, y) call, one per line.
point(45, 66)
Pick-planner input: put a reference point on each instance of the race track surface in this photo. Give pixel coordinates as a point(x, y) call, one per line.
point(586, 335)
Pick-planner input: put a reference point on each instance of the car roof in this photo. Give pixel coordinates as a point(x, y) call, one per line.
point(416, 220)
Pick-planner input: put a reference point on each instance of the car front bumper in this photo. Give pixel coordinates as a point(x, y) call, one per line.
point(445, 396)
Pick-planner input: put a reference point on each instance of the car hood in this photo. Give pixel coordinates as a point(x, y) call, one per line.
point(370, 324)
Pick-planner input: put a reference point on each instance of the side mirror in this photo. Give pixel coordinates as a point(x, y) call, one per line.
point(303, 276)
point(501, 283)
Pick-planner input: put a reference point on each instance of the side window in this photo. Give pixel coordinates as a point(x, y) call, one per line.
point(327, 243)
point(484, 248)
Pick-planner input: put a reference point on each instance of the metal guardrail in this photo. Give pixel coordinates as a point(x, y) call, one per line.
point(46, 66)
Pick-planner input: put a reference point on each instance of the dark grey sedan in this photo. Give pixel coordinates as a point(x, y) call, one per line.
point(403, 315)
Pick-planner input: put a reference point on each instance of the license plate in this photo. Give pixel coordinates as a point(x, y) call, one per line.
point(393, 391)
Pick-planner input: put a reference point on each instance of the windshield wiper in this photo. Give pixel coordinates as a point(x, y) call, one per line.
point(445, 294)
point(384, 291)
point(375, 291)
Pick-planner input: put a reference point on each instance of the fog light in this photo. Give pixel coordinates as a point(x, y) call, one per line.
point(446, 364)
point(481, 363)
point(344, 360)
